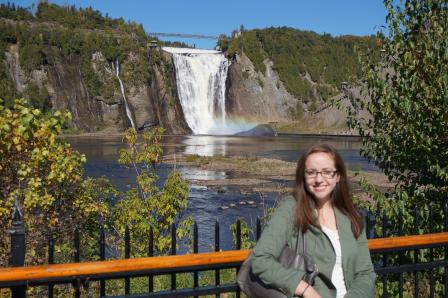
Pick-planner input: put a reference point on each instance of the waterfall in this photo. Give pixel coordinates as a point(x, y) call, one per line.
point(116, 69)
point(201, 79)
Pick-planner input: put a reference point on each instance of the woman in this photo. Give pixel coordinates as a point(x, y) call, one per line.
point(322, 208)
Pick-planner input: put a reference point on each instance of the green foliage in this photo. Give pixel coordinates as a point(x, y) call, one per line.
point(147, 206)
point(7, 36)
point(37, 96)
point(136, 70)
point(29, 148)
point(401, 213)
point(249, 44)
point(405, 96)
point(325, 91)
point(31, 57)
point(328, 61)
point(7, 88)
point(11, 11)
point(408, 90)
point(45, 173)
point(246, 235)
point(91, 78)
point(111, 49)
point(160, 64)
point(65, 32)
point(85, 18)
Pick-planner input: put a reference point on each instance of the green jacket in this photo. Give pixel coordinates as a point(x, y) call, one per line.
point(357, 266)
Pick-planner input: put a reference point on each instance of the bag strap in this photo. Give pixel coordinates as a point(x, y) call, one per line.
point(301, 249)
point(300, 243)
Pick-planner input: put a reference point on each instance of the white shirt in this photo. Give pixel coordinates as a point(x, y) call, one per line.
point(337, 277)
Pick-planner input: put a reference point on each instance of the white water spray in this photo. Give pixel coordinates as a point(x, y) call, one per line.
point(201, 79)
point(116, 71)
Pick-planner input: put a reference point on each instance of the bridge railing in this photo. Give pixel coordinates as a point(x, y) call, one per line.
point(416, 264)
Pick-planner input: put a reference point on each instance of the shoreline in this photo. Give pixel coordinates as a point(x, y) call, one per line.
point(257, 174)
point(111, 131)
point(104, 134)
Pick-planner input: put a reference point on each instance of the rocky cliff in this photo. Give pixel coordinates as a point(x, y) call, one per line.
point(85, 79)
point(251, 95)
point(262, 98)
point(68, 91)
point(257, 96)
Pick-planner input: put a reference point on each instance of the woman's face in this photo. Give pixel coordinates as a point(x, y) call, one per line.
point(321, 176)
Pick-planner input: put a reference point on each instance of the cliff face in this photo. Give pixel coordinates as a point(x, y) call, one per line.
point(67, 91)
point(262, 98)
point(251, 95)
point(151, 103)
point(256, 96)
point(165, 101)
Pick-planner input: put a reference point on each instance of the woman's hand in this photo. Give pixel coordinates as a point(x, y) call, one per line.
point(305, 290)
point(311, 293)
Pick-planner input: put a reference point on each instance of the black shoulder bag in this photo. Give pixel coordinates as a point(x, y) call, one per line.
point(254, 287)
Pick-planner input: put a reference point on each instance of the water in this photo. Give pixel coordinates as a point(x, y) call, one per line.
point(208, 205)
point(201, 82)
point(116, 69)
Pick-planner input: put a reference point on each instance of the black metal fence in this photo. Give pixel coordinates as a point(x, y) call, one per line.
point(420, 269)
point(415, 270)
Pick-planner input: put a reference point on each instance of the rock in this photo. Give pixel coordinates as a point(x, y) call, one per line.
point(221, 190)
point(152, 102)
point(146, 125)
point(261, 130)
point(257, 96)
point(70, 91)
point(262, 97)
point(16, 72)
point(166, 104)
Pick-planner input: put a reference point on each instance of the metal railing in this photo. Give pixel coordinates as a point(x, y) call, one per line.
point(421, 259)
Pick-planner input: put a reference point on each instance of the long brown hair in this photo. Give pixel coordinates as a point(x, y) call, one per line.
point(341, 196)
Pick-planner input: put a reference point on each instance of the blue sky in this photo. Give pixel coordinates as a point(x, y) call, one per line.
point(210, 17)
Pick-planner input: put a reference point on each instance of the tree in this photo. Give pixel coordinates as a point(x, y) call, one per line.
point(406, 96)
point(149, 206)
point(45, 173)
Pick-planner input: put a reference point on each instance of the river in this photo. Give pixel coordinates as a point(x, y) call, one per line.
point(208, 205)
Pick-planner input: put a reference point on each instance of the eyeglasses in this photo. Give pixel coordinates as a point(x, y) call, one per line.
point(326, 173)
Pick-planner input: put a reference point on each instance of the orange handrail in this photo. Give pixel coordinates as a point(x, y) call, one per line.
point(79, 270)
point(71, 270)
point(408, 241)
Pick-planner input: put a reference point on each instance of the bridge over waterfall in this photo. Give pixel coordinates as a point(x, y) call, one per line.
point(183, 35)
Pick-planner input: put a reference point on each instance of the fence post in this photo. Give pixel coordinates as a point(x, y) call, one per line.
point(17, 234)
point(195, 250)
point(127, 255)
point(238, 247)
point(102, 244)
point(173, 252)
point(217, 248)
